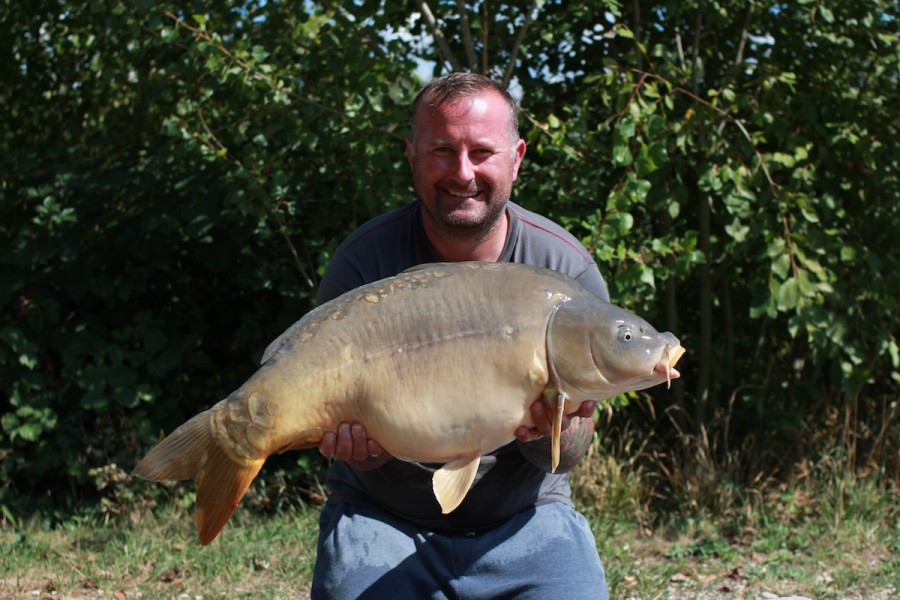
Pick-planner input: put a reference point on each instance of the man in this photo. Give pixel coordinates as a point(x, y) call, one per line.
point(516, 534)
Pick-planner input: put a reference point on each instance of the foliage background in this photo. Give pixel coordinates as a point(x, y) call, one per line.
point(174, 178)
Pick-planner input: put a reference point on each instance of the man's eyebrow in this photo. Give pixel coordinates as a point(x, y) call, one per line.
point(481, 143)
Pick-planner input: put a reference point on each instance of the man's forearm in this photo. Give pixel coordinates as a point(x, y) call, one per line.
point(573, 444)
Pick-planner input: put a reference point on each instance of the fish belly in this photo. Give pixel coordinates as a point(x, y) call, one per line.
point(452, 372)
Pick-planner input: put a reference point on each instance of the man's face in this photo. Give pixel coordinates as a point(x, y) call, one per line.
point(464, 162)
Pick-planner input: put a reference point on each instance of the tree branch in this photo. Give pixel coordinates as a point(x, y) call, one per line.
point(484, 37)
point(745, 32)
point(438, 35)
point(679, 45)
point(466, 34)
point(530, 16)
point(340, 13)
point(726, 118)
point(297, 262)
point(268, 79)
point(695, 53)
point(637, 33)
point(543, 127)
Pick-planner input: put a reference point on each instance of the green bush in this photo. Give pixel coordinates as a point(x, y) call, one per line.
point(174, 181)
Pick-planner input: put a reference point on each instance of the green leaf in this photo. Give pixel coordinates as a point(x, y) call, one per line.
point(737, 230)
point(623, 31)
point(622, 155)
point(787, 294)
point(621, 222)
point(781, 266)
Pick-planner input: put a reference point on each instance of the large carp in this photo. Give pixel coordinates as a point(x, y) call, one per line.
point(440, 364)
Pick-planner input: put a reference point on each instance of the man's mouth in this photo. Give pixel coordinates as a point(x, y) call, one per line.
point(462, 193)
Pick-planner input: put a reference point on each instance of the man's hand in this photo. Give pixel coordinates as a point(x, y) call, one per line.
point(575, 439)
point(352, 445)
point(542, 415)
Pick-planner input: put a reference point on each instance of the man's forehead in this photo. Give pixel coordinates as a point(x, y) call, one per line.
point(481, 102)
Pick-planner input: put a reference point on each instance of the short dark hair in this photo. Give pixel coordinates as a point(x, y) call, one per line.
point(460, 84)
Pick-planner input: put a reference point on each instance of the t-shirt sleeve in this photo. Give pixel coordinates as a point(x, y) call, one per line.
point(381, 247)
point(544, 243)
point(340, 277)
point(592, 280)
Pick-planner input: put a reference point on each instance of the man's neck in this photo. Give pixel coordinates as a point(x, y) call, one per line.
point(487, 248)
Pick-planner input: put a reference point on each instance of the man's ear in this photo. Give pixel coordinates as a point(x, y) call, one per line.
point(517, 159)
point(410, 152)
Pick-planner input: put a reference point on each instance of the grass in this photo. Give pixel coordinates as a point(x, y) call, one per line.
point(694, 559)
point(159, 557)
point(271, 557)
point(784, 549)
point(676, 529)
point(831, 535)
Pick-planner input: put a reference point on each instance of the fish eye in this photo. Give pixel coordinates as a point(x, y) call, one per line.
point(625, 334)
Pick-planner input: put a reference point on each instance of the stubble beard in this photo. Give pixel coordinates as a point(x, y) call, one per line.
point(472, 223)
point(465, 226)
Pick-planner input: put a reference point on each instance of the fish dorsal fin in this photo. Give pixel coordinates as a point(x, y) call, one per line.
point(451, 482)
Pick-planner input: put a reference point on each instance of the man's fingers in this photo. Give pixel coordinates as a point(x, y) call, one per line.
point(350, 442)
point(358, 437)
point(374, 448)
point(540, 413)
point(524, 434)
point(328, 443)
point(542, 416)
point(344, 445)
point(586, 410)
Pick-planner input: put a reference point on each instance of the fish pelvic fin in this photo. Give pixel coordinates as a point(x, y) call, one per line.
point(192, 452)
point(556, 431)
point(452, 482)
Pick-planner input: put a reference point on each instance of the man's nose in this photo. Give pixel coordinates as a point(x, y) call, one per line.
point(464, 170)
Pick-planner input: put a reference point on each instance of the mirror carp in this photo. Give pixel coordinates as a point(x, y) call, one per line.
point(440, 363)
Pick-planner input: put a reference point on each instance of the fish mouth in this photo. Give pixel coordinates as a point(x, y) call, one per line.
point(669, 357)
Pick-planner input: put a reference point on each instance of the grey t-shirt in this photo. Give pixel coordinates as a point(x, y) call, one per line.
point(506, 482)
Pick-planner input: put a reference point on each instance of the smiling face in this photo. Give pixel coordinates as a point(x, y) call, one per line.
point(464, 156)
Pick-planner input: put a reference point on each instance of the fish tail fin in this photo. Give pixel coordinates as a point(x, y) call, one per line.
point(193, 452)
point(182, 454)
point(220, 487)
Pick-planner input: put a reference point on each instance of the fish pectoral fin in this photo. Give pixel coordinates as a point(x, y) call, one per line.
point(556, 432)
point(451, 482)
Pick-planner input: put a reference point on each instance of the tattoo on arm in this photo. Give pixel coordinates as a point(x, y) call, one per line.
point(573, 444)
